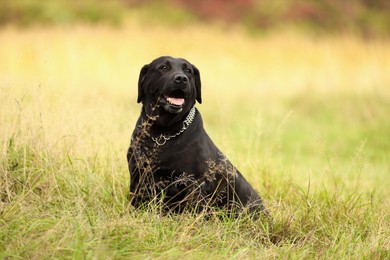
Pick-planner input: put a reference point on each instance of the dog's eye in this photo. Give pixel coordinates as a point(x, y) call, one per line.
point(163, 67)
point(188, 70)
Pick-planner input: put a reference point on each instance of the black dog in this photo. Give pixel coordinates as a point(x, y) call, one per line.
point(171, 158)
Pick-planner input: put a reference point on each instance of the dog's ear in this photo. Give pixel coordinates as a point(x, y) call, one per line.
point(198, 85)
point(142, 76)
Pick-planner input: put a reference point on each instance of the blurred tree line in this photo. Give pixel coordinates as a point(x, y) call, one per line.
point(365, 17)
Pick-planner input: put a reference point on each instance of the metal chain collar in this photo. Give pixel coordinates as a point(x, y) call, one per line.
point(162, 139)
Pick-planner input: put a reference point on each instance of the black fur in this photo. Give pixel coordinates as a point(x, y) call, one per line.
point(188, 171)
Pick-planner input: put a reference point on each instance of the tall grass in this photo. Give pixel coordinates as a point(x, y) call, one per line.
point(305, 120)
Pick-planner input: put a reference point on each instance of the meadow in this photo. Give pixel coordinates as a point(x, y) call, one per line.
point(305, 119)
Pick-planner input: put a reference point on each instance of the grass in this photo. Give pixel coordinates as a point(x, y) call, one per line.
point(305, 120)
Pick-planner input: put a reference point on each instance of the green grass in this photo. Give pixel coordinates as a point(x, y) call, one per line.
point(315, 147)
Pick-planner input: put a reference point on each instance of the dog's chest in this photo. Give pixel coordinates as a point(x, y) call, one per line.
point(185, 155)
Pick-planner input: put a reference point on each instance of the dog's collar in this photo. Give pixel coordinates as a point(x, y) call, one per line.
point(162, 139)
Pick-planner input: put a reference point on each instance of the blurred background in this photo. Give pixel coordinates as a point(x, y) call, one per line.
point(368, 18)
point(290, 88)
point(296, 93)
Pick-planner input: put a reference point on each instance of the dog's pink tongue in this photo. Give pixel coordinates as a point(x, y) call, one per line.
point(176, 101)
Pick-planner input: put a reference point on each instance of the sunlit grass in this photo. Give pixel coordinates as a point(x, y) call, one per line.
point(305, 120)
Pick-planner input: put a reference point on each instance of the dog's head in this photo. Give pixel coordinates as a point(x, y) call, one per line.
point(168, 88)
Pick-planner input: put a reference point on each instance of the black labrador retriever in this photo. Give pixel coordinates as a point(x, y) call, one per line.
point(171, 158)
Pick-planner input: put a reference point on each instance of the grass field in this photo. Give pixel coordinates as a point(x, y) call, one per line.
point(307, 121)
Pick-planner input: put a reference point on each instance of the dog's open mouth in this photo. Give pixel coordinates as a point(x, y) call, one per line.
point(174, 101)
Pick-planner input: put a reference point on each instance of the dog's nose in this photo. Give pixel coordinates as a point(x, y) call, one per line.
point(181, 79)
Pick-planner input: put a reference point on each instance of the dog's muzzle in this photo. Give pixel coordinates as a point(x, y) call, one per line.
point(174, 100)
